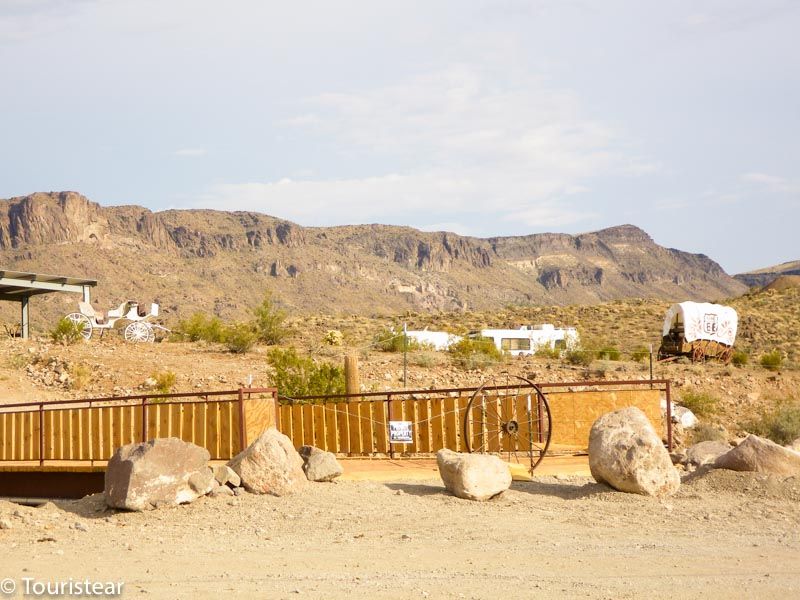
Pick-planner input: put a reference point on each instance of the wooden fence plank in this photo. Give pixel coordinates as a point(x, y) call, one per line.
point(354, 423)
point(331, 428)
point(437, 424)
point(308, 426)
point(381, 430)
point(450, 423)
point(217, 427)
point(320, 438)
point(297, 425)
point(343, 427)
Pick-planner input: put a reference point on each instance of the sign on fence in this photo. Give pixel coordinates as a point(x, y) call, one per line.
point(400, 432)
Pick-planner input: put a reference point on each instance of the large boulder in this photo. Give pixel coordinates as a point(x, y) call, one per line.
point(319, 465)
point(473, 476)
point(626, 453)
point(270, 465)
point(760, 455)
point(705, 453)
point(161, 472)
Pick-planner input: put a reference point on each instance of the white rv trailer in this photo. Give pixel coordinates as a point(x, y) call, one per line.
point(530, 338)
point(438, 340)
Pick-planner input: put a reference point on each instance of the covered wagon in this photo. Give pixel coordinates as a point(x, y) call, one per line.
point(698, 330)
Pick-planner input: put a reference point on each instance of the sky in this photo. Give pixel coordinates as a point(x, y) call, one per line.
point(483, 118)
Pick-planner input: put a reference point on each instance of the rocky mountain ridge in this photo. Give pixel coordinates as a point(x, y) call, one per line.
point(222, 262)
point(765, 276)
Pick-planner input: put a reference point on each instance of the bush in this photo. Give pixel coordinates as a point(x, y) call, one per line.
point(425, 358)
point(703, 432)
point(608, 353)
point(200, 327)
point(579, 357)
point(475, 353)
point(700, 403)
point(67, 332)
point(165, 381)
point(269, 322)
point(296, 375)
point(333, 337)
point(389, 340)
point(640, 354)
point(740, 358)
point(547, 352)
point(772, 361)
point(239, 337)
point(80, 376)
point(781, 424)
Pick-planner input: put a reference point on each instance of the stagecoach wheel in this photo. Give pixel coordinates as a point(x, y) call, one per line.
point(137, 332)
point(83, 322)
point(151, 333)
point(508, 416)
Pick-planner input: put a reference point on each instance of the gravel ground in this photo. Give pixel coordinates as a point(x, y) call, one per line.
point(724, 535)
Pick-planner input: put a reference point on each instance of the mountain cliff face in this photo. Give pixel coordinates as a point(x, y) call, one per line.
point(766, 276)
point(224, 261)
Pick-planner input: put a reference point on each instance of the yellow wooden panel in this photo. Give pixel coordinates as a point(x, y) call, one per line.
point(354, 424)
point(286, 419)
point(367, 427)
point(331, 428)
point(320, 439)
point(187, 422)
point(437, 424)
point(461, 405)
point(297, 425)
point(381, 427)
point(200, 424)
point(87, 433)
point(36, 433)
point(308, 426)
point(217, 418)
point(450, 423)
point(424, 425)
point(259, 414)
point(236, 430)
point(343, 427)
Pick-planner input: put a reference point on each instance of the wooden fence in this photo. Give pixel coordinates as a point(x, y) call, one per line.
point(358, 425)
point(91, 430)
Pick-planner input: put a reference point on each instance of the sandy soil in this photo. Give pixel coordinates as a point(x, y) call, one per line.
point(724, 535)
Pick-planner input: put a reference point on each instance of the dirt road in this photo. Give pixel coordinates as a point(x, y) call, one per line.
point(725, 535)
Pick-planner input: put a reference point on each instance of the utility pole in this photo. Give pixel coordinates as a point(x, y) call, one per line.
point(405, 354)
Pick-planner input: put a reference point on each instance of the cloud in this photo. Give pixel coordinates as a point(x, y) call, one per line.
point(191, 152)
point(458, 145)
point(771, 183)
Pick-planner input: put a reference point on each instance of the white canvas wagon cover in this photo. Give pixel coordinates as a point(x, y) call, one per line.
point(703, 321)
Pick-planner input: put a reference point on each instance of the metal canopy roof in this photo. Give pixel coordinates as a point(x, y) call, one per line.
point(15, 284)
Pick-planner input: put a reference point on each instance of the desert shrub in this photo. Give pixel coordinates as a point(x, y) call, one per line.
point(333, 337)
point(164, 381)
point(270, 322)
point(703, 432)
point(296, 375)
point(740, 358)
point(771, 361)
point(547, 352)
point(18, 361)
point(239, 337)
point(579, 357)
point(80, 376)
point(608, 353)
point(67, 332)
point(700, 403)
point(200, 327)
point(425, 358)
point(640, 354)
point(781, 424)
point(389, 340)
point(475, 353)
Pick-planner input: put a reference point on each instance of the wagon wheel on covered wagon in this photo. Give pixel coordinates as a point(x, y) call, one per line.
point(508, 416)
point(138, 331)
point(82, 321)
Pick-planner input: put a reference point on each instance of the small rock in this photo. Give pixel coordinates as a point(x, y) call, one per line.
point(5, 524)
point(473, 476)
point(320, 465)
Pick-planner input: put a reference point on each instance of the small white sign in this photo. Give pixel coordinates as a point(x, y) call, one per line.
point(400, 432)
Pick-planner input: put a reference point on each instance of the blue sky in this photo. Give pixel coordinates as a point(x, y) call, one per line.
point(483, 118)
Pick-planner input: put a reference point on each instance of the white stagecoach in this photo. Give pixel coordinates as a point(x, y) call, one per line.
point(698, 330)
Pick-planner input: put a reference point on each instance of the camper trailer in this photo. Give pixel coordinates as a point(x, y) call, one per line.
point(529, 338)
point(698, 330)
point(438, 340)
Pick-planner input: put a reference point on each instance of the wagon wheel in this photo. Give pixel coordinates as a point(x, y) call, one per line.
point(82, 321)
point(508, 415)
point(138, 332)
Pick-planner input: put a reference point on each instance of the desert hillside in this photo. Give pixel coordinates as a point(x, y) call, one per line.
point(767, 275)
point(222, 262)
